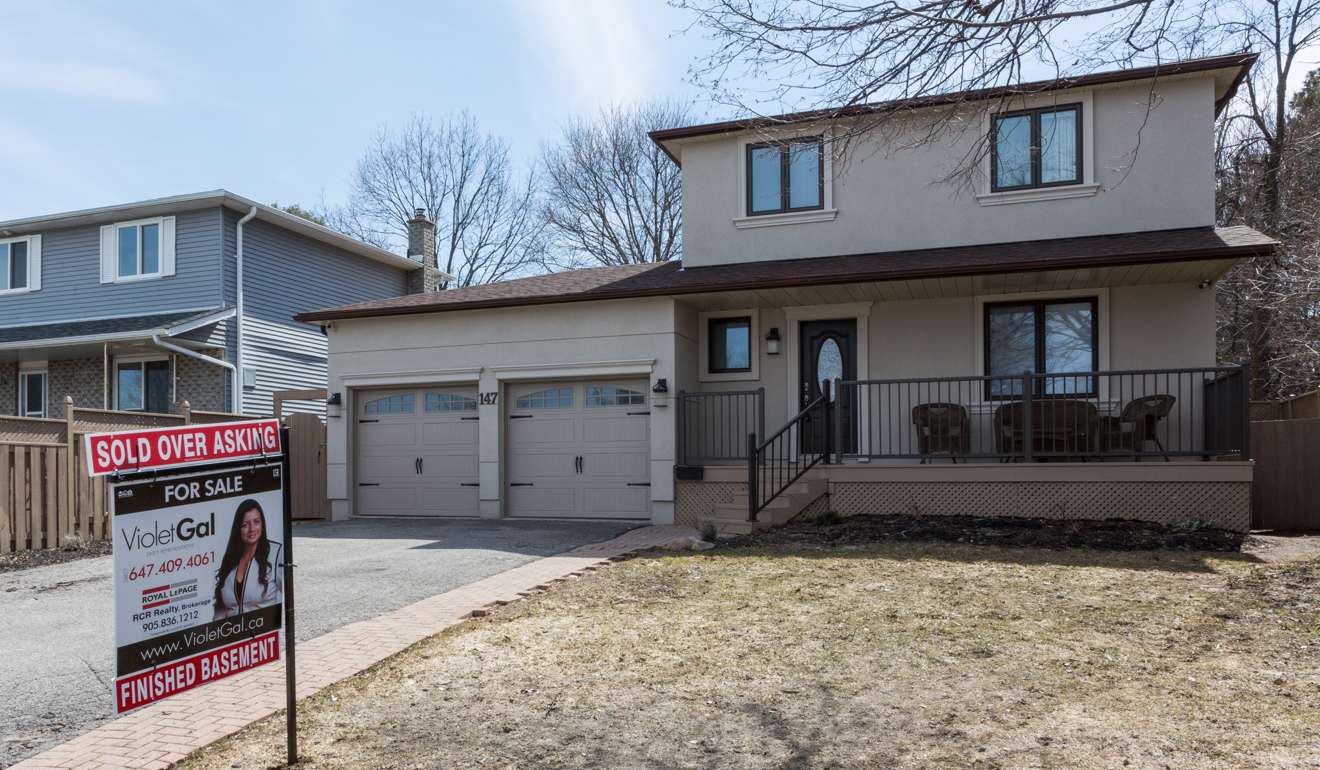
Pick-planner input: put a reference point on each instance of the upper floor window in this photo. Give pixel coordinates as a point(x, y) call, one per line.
point(20, 264)
point(1036, 148)
point(137, 250)
point(786, 176)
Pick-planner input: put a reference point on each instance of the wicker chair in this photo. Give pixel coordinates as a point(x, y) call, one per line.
point(1138, 424)
point(942, 429)
point(1059, 426)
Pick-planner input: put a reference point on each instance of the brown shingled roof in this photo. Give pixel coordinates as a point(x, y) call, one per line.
point(670, 278)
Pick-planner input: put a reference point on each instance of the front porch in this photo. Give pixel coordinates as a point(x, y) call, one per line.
point(928, 396)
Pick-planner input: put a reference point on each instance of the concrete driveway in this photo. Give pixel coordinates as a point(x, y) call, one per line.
point(58, 641)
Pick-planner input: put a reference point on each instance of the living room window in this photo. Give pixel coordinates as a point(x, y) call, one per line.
point(729, 341)
point(1045, 336)
point(32, 393)
point(142, 385)
point(785, 176)
point(1036, 148)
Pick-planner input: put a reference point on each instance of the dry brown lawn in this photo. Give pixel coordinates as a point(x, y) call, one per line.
point(865, 656)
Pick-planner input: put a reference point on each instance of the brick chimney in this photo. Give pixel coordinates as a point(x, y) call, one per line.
point(421, 247)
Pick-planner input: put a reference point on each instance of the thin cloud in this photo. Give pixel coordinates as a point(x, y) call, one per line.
point(96, 57)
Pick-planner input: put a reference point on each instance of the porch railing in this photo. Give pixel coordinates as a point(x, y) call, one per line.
point(1133, 415)
point(777, 463)
point(713, 426)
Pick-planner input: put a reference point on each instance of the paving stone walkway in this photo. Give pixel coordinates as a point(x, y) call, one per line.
point(160, 735)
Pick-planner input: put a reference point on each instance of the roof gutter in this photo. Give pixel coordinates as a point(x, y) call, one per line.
point(237, 366)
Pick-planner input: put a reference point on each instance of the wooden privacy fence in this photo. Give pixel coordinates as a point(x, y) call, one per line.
point(1285, 489)
point(46, 495)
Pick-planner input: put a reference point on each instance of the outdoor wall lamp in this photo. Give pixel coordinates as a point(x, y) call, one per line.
point(334, 405)
point(660, 393)
point(772, 342)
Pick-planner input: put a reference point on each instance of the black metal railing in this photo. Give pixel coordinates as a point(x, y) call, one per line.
point(1137, 414)
point(713, 426)
point(775, 464)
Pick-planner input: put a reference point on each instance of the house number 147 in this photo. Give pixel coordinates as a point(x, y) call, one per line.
point(488, 398)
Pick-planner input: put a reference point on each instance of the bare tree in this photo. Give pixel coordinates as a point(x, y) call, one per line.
point(868, 61)
point(487, 224)
point(612, 195)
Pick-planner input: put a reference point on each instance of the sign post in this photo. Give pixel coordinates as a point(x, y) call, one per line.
point(203, 590)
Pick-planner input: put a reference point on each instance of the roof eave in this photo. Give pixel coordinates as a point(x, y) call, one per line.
point(1121, 260)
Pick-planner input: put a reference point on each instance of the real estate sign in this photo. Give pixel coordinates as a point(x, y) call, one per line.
point(175, 447)
point(198, 562)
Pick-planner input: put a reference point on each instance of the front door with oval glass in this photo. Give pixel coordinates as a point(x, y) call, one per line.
point(828, 352)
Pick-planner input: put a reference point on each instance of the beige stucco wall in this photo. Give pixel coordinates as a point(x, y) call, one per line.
point(1152, 174)
point(492, 348)
point(1142, 327)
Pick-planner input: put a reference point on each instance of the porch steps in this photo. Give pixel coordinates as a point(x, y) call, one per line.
point(731, 518)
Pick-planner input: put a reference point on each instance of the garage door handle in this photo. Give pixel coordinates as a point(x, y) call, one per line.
point(632, 414)
point(419, 465)
point(522, 484)
point(577, 463)
point(367, 484)
point(469, 484)
point(521, 416)
point(361, 421)
point(465, 419)
point(639, 483)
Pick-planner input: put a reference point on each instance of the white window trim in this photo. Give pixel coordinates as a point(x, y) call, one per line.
point(753, 342)
point(139, 359)
point(826, 213)
point(26, 370)
point(1085, 189)
point(160, 250)
point(33, 264)
point(1102, 331)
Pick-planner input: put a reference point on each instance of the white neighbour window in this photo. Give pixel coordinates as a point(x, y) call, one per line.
point(142, 385)
point(20, 264)
point(32, 394)
point(142, 249)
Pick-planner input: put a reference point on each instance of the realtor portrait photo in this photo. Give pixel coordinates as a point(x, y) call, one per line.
point(248, 577)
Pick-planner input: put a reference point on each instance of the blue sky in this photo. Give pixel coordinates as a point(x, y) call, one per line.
point(124, 101)
point(110, 102)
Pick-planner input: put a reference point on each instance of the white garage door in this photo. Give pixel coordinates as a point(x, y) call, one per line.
point(417, 452)
point(579, 449)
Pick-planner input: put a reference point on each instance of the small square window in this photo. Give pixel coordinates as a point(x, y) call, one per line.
point(138, 248)
point(730, 345)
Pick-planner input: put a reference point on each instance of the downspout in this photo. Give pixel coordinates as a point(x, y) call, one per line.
point(170, 346)
point(237, 406)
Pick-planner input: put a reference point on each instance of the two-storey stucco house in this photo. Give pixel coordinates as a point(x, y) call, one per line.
point(847, 331)
point(143, 306)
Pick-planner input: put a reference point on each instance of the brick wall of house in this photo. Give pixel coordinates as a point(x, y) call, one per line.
point(9, 388)
point(204, 386)
point(82, 378)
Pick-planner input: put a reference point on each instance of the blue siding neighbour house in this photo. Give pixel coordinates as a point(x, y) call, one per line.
point(139, 306)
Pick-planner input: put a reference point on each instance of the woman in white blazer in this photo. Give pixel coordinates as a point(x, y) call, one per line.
point(249, 576)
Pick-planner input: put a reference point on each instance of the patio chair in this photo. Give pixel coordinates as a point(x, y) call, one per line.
point(942, 429)
point(1137, 424)
point(1059, 426)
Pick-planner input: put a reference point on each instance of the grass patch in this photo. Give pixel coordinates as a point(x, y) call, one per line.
point(802, 655)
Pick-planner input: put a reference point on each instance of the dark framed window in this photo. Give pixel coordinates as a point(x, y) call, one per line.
point(786, 176)
point(143, 386)
point(1036, 148)
point(729, 343)
point(1055, 336)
